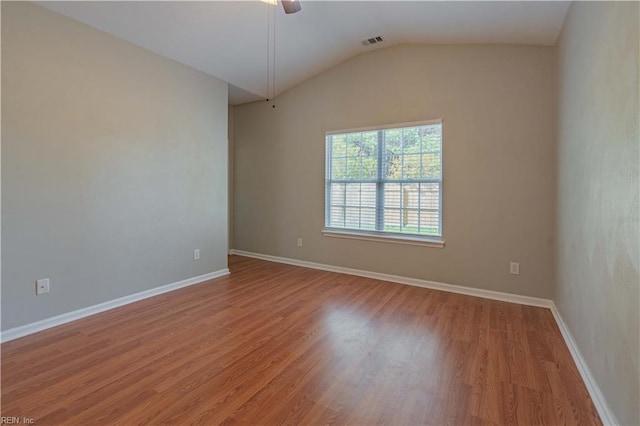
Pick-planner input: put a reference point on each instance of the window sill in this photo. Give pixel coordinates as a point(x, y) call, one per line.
point(396, 239)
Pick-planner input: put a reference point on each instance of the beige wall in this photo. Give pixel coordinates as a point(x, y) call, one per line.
point(498, 111)
point(114, 167)
point(231, 172)
point(598, 195)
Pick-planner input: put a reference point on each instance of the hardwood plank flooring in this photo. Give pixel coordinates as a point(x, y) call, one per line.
point(275, 344)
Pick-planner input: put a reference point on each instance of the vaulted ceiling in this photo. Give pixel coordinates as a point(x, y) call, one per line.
point(229, 39)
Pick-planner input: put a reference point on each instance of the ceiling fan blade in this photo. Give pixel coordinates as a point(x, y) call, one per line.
point(291, 6)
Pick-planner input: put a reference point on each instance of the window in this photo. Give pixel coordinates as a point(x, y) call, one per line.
point(385, 181)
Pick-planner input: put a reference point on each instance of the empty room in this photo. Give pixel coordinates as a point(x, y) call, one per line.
point(320, 212)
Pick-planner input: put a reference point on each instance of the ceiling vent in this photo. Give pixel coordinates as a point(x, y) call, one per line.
point(372, 40)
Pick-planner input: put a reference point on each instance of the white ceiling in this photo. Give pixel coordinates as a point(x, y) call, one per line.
point(228, 39)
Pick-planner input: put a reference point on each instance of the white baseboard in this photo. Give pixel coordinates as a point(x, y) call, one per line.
point(14, 333)
point(606, 415)
point(451, 288)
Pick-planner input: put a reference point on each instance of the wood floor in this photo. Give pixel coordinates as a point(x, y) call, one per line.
point(273, 344)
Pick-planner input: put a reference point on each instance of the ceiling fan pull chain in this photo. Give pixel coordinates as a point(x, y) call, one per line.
point(268, 49)
point(274, 59)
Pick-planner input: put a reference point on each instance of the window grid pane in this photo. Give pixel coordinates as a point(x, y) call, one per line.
point(386, 180)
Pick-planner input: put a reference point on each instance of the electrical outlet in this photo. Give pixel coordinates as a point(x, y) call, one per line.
point(299, 242)
point(514, 268)
point(42, 286)
point(196, 254)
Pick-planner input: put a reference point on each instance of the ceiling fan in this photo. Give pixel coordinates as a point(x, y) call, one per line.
point(291, 6)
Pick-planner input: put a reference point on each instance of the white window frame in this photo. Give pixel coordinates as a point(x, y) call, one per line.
point(383, 236)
